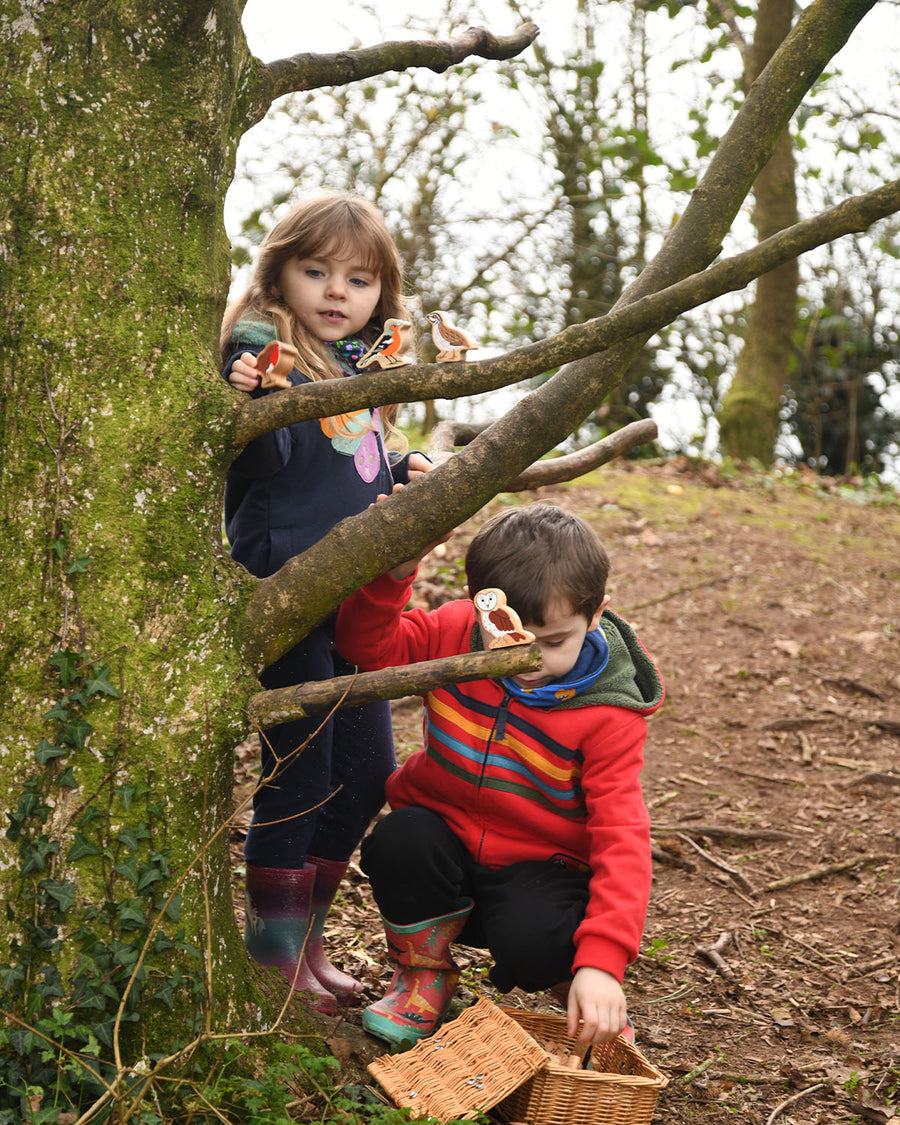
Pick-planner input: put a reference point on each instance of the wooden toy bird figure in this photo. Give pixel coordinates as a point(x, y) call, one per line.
point(275, 362)
point(500, 621)
point(451, 342)
point(388, 349)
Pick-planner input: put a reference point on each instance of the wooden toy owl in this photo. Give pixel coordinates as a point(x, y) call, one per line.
point(500, 621)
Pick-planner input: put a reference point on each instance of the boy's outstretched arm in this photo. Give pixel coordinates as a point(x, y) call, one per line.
point(597, 999)
point(407, 569)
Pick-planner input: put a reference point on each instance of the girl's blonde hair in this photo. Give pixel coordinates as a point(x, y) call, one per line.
point(328, 225)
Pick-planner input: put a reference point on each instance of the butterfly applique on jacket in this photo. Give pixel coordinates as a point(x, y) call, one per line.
point(358, 433)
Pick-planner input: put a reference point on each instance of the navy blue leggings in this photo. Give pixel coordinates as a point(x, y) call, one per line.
point(323, 796)
point(525, 914)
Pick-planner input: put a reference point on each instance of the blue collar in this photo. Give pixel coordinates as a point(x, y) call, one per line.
point(592, 659)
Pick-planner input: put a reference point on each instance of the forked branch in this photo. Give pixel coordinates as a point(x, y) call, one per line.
point(447, 435)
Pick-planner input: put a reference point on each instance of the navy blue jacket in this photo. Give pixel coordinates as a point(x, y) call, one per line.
point(288, 488)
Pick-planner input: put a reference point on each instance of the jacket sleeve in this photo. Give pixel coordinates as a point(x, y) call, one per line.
point(618, 827)
point(269, 453)
point(399, 463)
point(374, 632)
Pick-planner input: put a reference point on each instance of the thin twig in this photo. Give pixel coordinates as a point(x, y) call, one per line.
point(877, 777)
point(696, 1072)
point(825, 869)
point(720, 832)
point(739, 877)
point(870, 966)
point(713, 954)
point(794, 1098)
point(686, 588)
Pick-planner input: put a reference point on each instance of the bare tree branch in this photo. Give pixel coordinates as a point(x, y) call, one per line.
point(645, 315)
point(447, 435)
point(280, 705)
point(726, 14)
point(311, 72)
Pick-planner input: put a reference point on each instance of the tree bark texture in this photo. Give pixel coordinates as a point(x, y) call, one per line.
point(118, 146)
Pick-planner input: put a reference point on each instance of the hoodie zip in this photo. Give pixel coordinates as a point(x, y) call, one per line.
point(498, 730)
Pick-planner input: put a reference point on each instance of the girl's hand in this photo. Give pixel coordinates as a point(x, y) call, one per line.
point(597, 1001)
point(243, 375)
point(418, 465)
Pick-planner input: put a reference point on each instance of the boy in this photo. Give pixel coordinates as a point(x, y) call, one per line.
point(520, 827)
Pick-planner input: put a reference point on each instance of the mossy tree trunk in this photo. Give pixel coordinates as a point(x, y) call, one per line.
point(125, 662)
point(130, 642)
point(750, 414)
point(118, 143)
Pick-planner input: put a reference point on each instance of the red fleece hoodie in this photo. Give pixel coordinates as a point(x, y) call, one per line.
point(518, 782)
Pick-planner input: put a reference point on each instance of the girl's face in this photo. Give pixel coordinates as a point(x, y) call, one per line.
point(331, 297)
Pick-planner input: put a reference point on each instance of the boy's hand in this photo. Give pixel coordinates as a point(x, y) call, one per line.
point(597, 999)
point(405, 569)
point(243, 375)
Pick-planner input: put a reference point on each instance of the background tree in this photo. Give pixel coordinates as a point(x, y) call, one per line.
point(750, 413)
point(846, 352)
point(841, 405)
point(131, 641)
point(597, 138)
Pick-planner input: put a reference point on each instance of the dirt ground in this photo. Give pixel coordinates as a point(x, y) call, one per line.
point(768, 987)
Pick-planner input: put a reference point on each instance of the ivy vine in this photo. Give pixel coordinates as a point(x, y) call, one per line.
point(58, 1051)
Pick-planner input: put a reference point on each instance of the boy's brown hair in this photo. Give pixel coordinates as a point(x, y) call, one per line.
point(535, 554)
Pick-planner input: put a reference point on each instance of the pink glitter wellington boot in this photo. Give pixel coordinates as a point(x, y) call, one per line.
point(279, 903)
point(329, 873)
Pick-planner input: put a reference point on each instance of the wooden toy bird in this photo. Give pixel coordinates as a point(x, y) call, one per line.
point(451, 342)
point(388, 349)
point(275, 362)
point(499, 620)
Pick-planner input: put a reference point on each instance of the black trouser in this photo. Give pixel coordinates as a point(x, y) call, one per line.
point(525, 914)
point(322, 800)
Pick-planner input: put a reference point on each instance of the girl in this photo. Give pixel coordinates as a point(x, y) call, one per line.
point(327, 277)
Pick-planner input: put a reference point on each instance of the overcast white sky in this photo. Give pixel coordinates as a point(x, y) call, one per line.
point(278, 28)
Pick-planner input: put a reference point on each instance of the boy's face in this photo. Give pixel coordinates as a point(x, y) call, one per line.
point(560, 637)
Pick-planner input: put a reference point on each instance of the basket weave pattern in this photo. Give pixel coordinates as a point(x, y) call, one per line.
point(621, 1089)
point(467, 1066)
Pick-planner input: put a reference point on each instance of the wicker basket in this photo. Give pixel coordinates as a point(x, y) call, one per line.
point(620, 1089)
point(466, 1067)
